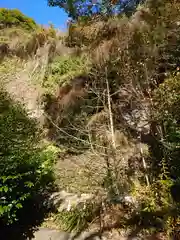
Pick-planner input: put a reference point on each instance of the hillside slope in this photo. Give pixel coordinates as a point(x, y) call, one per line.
point(109, 93)
point(25, 52)
point(116, 119)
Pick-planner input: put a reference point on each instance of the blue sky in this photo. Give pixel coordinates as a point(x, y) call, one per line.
point(39, 11)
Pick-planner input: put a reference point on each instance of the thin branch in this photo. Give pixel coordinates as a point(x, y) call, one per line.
point(69, 135)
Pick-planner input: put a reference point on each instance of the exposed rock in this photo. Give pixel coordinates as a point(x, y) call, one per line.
point(65, 201)
point(50, 234)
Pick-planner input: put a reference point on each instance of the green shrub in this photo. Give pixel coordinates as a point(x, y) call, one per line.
point(14, 17)
point(167, 113)
point(167, 99)
point(26, 166)
point(155, 207)
point(78, 218)
point(63, 69)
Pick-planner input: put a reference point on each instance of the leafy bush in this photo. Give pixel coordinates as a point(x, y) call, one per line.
point(167, 113)
point(63, 69)
point(157, 210)
point(9, 18)
point(26, 167)
point(167, 99)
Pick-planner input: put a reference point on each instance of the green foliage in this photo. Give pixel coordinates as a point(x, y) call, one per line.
point(134, 56)
point(62, 70)
point(156, 207)
point(78, 218)
point(167, 100)
point(167, 113)
point(9, 18)
point(26, 169)
point(155, 200)
point(51, 31)
point(62, 66)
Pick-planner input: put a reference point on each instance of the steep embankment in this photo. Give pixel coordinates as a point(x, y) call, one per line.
point(112, 108)
point(25, 52)
point(116, 136)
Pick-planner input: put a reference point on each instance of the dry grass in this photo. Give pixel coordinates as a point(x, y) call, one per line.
point(25, 56)
point(24, 44)
point(16, 79)
point(93, 33)
point(120, 51)
point(87, 172)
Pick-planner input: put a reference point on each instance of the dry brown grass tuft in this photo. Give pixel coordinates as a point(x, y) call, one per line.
point(94, 32)
point(24, 62)
point(23, 44)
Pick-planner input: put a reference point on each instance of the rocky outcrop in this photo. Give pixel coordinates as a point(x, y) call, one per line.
point(66, 201)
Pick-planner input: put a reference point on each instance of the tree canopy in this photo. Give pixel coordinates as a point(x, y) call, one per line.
point(77, 8)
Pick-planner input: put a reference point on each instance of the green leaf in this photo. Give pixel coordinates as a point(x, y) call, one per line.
point(29, 184)
point(19, 205)
point(1, 210)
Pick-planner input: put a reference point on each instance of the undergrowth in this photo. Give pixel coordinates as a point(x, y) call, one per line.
point(121, 91)
point(63, 69)
point(26, 169)
point(77, 218)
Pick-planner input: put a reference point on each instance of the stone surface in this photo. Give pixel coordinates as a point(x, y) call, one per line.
point(65, 201)
point(50, 234)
